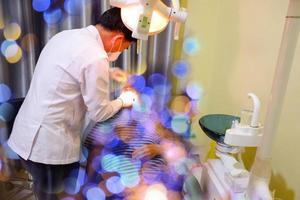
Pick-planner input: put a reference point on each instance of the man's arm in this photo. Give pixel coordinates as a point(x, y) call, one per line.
point(94, 85)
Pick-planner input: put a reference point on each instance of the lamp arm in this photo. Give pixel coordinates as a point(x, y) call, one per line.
point(123, 3)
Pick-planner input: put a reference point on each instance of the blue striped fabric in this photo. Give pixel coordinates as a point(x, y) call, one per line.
point(121, 136)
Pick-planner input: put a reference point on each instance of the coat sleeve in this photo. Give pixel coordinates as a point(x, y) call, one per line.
point(94, 85)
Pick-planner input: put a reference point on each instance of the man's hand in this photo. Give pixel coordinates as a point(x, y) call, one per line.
point(128, 97)
point(147, 151)
point(118, 75)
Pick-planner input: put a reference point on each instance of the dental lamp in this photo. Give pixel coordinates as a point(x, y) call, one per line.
point(149, 17)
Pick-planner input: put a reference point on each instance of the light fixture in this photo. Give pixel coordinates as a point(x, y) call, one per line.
point(149, 17)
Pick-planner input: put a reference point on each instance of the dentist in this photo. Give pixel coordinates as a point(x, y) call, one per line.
point(71, 79)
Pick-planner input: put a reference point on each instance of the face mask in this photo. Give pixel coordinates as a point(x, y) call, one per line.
point(113, 56)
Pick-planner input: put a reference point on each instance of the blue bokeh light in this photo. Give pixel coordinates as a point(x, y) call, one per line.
point(191, 46)
point(114, 185)
point(151, 177)
point(144, 105)
point(6, 112)
point(179, 124)
point(180, 69)
point(148, 91)
point(105, 128)
point(157, 79)
point(130, 180)
point(41, 5)
point(5, 44)
point(84, 155)
point(53, 16)
point(110, 162)
point(71, 185)
point(95, 193)
point(113, 142)
point(67, 198)
point(81, 176)
point(194, 91)
point(165, 118)
point(138, 82)
point(128, 166)
point(5, 93)
point(162, 90)
point(9, 152)
point(96, 164)
point(74, 7)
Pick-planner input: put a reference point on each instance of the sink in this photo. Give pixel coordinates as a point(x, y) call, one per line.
point(215, 125)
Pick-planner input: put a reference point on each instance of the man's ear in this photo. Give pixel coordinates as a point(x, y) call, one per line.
point(119, 38)
point(118, 41)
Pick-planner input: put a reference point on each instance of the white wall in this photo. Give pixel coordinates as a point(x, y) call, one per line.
point(239, 42)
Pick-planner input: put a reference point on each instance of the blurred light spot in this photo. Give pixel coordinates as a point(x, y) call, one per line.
point(144, 104)
point(105, 128)
point(82, 176)
point(191, 46)
point(72, 186)
point(112, 141)
point(110, 163)
point(180, 69)
point(194, 91)
point(95, 193)
point(114, 185)
point(141, 69)
point(137, 115)
point(12, 31)
point(180, 104)
point(187, 197)
point(9, 152)
point(173, 152)
point(2, 25)
point(157, 192)
point(41, 5)
point(137, 82)
point(74, 7)
point(162, 90)
point(130, 180)
point(148, 91)
point(181, 167)
point(173, 181)
point(5, 93)
point(96, 164)
point(29, 41)
point(150, 176)
point(179, 124)
point(84, 155)
point(11, 50)
point(6, 112)
point(53, 16)
point(67, 198)
point(13, 53)
point(194, 106)
point(5, 44)
point(157, 79)
point(128, 166)
point(150, 126)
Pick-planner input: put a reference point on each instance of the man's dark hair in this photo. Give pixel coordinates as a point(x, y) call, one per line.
point(112, 21)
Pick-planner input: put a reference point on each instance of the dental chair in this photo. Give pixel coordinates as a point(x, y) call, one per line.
point(17, 182)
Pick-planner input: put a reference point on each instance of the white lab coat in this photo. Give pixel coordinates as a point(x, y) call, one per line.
point(71, 78)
